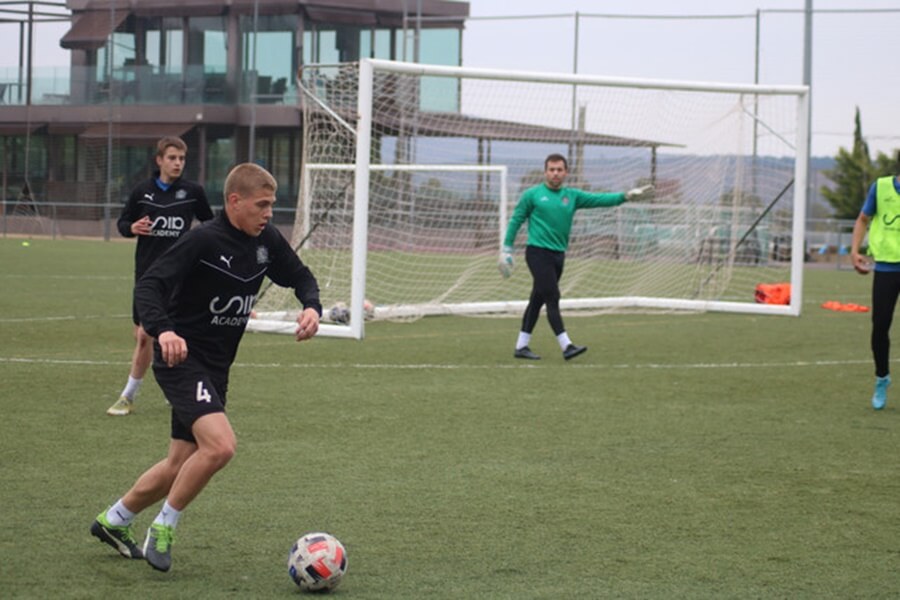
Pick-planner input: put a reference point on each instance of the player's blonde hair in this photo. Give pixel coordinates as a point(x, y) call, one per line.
point(247, 179)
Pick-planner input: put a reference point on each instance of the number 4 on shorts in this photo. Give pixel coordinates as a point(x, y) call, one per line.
point(203, 394)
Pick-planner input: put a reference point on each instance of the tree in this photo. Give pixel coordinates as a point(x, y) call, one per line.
point(852, 175)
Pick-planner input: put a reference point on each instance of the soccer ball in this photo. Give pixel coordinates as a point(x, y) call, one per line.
point(339, 313)
point(317, 561)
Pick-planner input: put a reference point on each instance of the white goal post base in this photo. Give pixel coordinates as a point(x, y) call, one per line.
point(279, 322)
point(282, 323)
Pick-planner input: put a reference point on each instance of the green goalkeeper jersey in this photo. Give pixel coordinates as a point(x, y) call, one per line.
point(550, 212)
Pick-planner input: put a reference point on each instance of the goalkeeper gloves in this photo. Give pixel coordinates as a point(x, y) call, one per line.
point(638, 192)
point(505, 264)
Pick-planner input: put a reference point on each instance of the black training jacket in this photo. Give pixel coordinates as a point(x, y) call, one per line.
point(205, 286)
point(171, 213)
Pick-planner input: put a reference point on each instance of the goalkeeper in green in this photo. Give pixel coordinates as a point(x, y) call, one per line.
point(549, 209)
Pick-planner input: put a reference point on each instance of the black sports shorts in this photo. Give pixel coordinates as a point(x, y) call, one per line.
point(192, 389)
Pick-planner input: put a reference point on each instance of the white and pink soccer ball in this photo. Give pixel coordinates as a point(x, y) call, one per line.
point(318, 561)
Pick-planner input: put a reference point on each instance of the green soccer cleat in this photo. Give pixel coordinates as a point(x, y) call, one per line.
point(123, 406)
point(158, 546)
point(119, 537)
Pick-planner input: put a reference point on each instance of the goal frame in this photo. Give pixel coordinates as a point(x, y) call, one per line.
point(359, 251)
point(362, 169)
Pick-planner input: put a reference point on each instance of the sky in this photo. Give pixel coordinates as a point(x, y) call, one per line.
point(854, 55)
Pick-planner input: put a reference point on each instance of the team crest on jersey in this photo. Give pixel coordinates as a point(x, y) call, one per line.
point(565, 200)
point(180, 195)
point(262, 255)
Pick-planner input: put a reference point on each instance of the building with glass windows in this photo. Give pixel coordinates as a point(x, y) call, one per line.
point(220, 74)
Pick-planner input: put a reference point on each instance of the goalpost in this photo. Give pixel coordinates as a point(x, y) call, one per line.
point(330, 214)
point(410, 173)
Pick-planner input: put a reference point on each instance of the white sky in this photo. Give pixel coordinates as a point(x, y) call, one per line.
point(854, 55)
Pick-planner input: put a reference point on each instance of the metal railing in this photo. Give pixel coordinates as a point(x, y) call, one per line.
point(827, 240)
point(141, 84)
point(76, 220)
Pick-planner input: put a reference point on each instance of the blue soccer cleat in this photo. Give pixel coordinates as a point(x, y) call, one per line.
point(879, 398)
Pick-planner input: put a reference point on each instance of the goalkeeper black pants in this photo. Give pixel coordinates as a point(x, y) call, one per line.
point(546, 268)
point(885, 290)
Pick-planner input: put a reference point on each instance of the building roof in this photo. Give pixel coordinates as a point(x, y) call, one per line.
point(91, 29)
point(94, 20)
point(430, 9)
point(463, 126)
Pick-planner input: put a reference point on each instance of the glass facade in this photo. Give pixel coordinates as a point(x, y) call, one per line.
point(439, 47)
point(330, 45)
point(268, 57)
point(185, 62)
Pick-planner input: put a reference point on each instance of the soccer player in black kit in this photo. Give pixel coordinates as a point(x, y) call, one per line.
point(158, 212)
point(195, 300)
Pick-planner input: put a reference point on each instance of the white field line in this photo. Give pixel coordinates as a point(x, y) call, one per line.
point(128, 316)
point(463, 367)
point(61, 318)
point(43, 277)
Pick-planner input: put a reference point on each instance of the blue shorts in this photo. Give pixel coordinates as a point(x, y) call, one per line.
point(192, 389)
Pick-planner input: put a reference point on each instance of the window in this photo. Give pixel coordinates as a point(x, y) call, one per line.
point(207, 43)
point(165, 44)
point(268, 56)
point(381, 47)
point(439, 47)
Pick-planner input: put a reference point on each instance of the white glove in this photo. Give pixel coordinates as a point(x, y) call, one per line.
point(505, 264)
point(638, 192)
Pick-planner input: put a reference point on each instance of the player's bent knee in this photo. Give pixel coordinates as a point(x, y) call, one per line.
point(221, 455)
point(215, 438)
point(220, 449)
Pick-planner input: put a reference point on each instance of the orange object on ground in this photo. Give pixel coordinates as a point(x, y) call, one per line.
point(844, 307)
point(773, 293)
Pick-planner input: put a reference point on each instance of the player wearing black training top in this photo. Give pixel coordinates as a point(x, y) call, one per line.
point(158, 212)
point(196, 300)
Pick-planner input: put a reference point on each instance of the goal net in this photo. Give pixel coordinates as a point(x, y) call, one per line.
point(411, 172)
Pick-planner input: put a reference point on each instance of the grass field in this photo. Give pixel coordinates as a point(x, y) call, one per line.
point(684, 456)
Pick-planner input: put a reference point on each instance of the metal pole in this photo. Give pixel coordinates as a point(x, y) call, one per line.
point(575, 92)
point(21, 60)
point(405, 25)
point(109, 131)
point(755, 103)
point(4, 186)
point(30, 51)
point(416, 41)
point(251, 151)
point(807, 80)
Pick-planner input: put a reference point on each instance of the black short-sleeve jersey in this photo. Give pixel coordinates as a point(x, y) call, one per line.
point(204, 287)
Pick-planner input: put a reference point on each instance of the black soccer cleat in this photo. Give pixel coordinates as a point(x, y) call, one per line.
point(119, 538)
point(572, 351)
point(526, 353)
